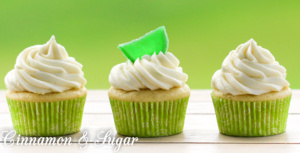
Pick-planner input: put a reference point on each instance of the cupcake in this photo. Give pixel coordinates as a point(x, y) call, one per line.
point(251, 95)
point(148, 94)
point(45, 91)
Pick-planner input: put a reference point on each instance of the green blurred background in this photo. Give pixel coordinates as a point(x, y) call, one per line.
point(201, 33)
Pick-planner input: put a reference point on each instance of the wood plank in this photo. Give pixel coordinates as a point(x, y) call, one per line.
point(102, 96)
point(200, 133)
point(193, 107)
point(104, 107)
point(196, 95)
point(198, 129)
point(160, 148)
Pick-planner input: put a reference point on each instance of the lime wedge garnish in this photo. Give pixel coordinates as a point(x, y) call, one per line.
point(153, 42)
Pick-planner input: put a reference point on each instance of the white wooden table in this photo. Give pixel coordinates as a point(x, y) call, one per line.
point(200, 132)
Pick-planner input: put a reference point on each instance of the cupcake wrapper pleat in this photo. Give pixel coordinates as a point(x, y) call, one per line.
point(149, 119)
point(46, 118)
point(242, 118)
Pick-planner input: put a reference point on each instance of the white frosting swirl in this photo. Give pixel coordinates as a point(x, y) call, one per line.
point(160, 71)
point(250, 69)
point(44, 69)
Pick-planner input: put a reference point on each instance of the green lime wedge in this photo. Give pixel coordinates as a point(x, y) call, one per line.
point(153, 42)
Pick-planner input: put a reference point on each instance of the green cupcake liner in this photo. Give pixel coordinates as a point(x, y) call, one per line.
point(149, 119)
point(251, 119)
point(46, 118)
